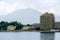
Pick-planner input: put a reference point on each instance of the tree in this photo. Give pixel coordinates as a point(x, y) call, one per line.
point(19, 26)
point(3, 25)
point(14, 23)
point(28, 25)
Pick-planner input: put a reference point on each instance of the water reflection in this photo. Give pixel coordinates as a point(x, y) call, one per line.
point(47, 36)
point(29, 36)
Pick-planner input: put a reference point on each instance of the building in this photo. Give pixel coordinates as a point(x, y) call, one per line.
point(11, 27)
point(47, 21)
point(57, 26)
point(36, 26)
point(27, 27)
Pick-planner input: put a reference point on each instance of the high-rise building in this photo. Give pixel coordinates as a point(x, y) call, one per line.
point(47, 21)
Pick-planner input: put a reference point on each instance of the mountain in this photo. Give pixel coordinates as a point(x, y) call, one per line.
point(25, 16)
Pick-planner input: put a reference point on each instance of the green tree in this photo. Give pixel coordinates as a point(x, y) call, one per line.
point(14, 23)
point(19, 26)
point(3, 25)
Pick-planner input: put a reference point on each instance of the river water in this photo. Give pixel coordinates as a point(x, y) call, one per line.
point(24, 36)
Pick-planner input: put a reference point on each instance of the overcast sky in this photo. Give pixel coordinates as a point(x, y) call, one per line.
point(8, 6)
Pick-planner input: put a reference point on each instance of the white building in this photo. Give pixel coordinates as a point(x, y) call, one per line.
point(11, 27)
point(26, 28)
point(54, 30)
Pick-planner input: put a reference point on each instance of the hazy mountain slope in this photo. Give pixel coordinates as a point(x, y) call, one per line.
point(25, 16)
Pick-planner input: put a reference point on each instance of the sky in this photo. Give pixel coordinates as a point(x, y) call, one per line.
point(53, 6)
point(7, 6)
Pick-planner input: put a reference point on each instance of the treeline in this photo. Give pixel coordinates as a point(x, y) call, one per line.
point(3, 25)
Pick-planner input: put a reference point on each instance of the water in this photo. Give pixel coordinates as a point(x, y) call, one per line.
point(19, 36)
point(47, 35)
point(24, 36)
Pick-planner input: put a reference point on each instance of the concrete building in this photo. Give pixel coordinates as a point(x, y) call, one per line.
point(57, 26)
point(36, 26)
point(47, 21)
point(26, 28)
point(11, 27)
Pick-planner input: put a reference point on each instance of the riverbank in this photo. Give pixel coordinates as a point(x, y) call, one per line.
point(26, 31)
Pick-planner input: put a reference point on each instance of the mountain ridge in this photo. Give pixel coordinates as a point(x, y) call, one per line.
point(25, 16)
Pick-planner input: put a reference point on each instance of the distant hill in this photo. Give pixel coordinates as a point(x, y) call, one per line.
point(25, 16)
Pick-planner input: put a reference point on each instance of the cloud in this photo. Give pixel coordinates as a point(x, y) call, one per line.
point(8, 6)
point(5, 8)
point(42, 6)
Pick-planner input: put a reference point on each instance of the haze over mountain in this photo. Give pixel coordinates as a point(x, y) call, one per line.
point(25, 16)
